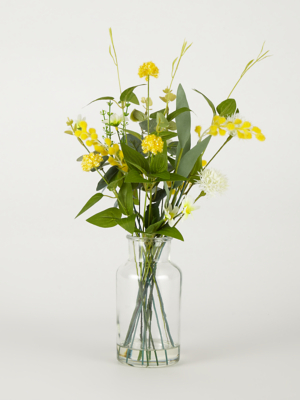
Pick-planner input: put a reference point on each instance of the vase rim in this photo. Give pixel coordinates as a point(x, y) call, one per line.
point(147, 239)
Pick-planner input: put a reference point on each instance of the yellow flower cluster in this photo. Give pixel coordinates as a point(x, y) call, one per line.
point(234, 126)
point(108, 148)
point(153, 144)
point(148, 69)
point(91, 161)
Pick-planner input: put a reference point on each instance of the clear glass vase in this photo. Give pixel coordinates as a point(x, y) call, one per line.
point(148, 305)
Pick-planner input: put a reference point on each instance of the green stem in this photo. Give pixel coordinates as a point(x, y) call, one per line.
point(227, 140)
point(148, 100)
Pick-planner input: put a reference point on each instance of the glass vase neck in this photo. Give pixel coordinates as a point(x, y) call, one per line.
point(154, 249)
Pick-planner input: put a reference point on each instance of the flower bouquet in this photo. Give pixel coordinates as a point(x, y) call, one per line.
point(149, 172)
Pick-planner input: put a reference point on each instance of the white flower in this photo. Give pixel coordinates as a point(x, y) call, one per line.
point(188, 206)
point(170, 214)
point(79, 119)
point(115, 119)
point(212, 181)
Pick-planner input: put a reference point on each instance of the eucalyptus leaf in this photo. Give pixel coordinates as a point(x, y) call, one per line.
point(137, 116)
point(93, 200)
point(183, 120)
point(177, 112)
point(188, 161)
point(153, 115)
point(152, 125)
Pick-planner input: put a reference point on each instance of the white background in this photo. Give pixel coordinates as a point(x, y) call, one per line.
point(240, 258)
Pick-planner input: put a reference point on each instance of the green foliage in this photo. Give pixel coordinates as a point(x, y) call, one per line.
point(183, 120)
point(135, 159)
point(107, 218)
point(177, 112)
point(152, 125)
point(154, 217)
point(101, 98)
point(208, 101)
point(108, 176)
point(159, 162)
point(153, 115)
point(126, 95)
point(137, 135)
point(137, 116)
point(135, 143)
point(125, 199)
point(93, 200)
point(227, 108)
point(127, 223)
point(134, 176)
point(154, 227)
point(190, 158)
point(171, 232)
point(166, 135)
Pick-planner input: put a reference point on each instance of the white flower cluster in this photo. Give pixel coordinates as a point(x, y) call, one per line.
point(212, 182)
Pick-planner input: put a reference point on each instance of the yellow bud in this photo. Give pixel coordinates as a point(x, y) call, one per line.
point(237, 121)
point(98, 148)
point(77, 133)
point(241, 135)
point(121, 155)
point(255, 129)
point(169, 183)
point(198, 129)
point(246, 124)
point(222, 131)
point(89, 143)
point(112, 161)
point(230, 126)
point(124, 168)
point(83, 136)
point(260, 137)
point(94, 136)
point(107, 141)
point(92, 130)
point(204, 163)
point(83, 125)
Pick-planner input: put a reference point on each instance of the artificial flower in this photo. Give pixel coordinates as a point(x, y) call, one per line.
point(91, 161)
point(153, 144)
point(188, 205)
point(212, 182)
point(170, 214)
point(148, 69)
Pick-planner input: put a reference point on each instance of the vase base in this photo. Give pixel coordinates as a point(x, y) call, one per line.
point(152, 358)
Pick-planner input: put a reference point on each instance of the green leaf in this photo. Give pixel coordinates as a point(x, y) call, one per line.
point(127, 223)
point(134, 176)
point(208, 101)
point(153, 115)
point(134, 158)
point(107, 218)
point(80, 158)
point(126, 94)
point(137, 135)
point(171, 232)
point(133, 99)
point(137, 116)
point(177, 112)
point(161, 122)
point(183, 120)
point(159, 195)
point(159, 162)
point(101, 98)
point(116, 181)
point(125, 199)
point(167, 135)
point(152, 125)
point(69, 132)
point(188, 161)
point(227, 107)
point(155, 216)
point(167, 191)
point(93, 200)
point(172, 148)
point(154, 227)
point(109, 175)
point(135, 143)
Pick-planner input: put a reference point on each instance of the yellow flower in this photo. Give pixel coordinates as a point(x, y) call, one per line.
point(234, 126)
point(153, 144)
point(113, 149)
point(91, 161)
point(148, 69)
point(204, 163)
point(107, 141)
point(216, 126)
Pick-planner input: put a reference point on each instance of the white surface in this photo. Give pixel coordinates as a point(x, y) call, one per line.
point(240, 259)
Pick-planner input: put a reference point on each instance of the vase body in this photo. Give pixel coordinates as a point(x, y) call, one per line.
point(148, 305)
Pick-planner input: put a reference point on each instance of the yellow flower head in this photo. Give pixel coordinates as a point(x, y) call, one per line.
point(153, 144)
point(148, 69)
point(91, 161)
point(198, 130)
